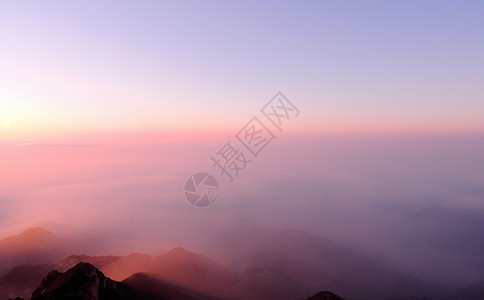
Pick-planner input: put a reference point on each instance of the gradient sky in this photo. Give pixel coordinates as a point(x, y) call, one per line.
point(107, 107)
point(373, 66)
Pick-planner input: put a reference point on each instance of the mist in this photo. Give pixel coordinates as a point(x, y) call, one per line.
point(410, 202)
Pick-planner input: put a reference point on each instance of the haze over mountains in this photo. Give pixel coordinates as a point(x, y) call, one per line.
point(39, 245)
point(84, 281)
point(361, 239)
point(282, 265)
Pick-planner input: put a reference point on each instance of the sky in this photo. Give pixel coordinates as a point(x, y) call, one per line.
point(106, 108)
point(368, 67)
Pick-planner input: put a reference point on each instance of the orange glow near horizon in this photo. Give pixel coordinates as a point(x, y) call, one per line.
point(11, 132)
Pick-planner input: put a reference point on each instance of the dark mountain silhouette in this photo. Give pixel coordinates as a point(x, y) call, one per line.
point(152, 284)
point(325, 296)
point(84, 281)
point(283, 265)
point(101, 262)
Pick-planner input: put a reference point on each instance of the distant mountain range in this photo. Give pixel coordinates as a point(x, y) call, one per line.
point(36, 245)
point(179, 266)
point(282, 265)
point(84, 281)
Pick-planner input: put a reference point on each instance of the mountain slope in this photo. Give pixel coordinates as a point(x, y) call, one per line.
point(257, 247)
point(282, 265)
point(293, 264)
point(84, 281)
point(325, 296)
point(178, 266)
point(152, 284)
point(280, 279)
point(39, 246)
point(288, 279)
